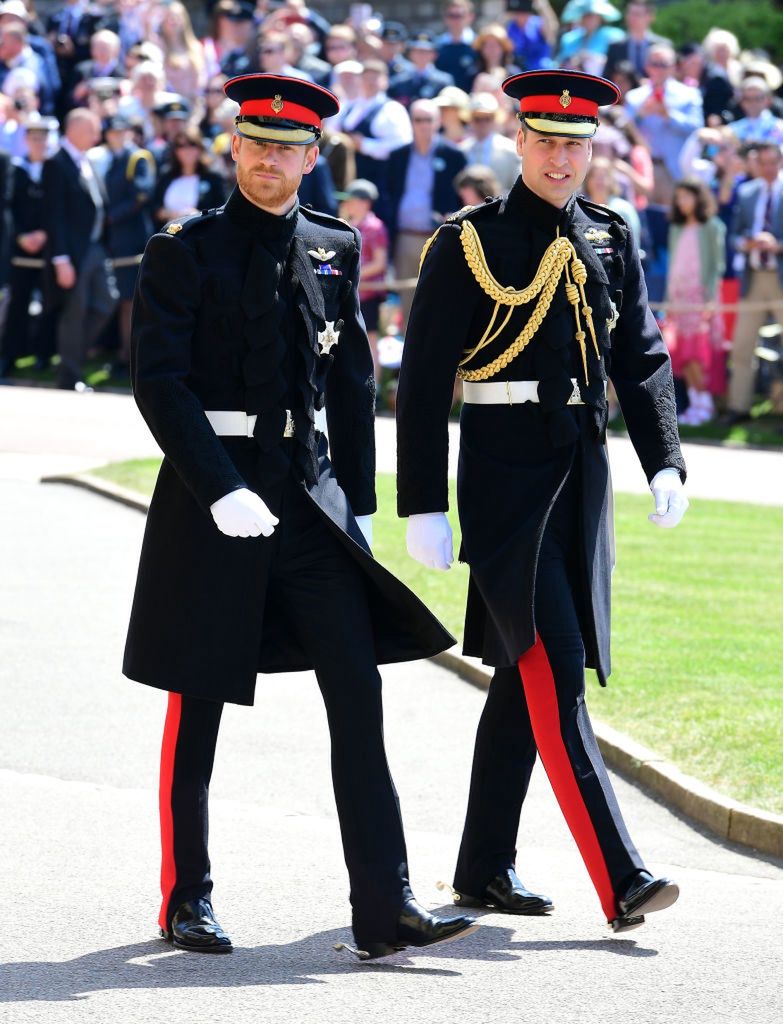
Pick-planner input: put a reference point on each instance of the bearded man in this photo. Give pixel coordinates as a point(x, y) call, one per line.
point(256, 556)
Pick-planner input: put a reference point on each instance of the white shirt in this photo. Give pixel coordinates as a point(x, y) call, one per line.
point(391, 126)
point(768, 260)
point(182, 193)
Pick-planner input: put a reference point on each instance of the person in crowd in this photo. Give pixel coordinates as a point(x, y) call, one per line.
point(707, 152)
point(128, 174)
point(421, 186)
point(639, 37)
point(456, 55)
point(211, 125)
point(494, 52)
point(376, 125)
point(394, 39)
point(188, 184)
point(533, 29)
point(28, 219)
point(475, 184)
point(697, 253)
point(486, 145)
point(356, 208)
point(586, 46)
point(19, 63)
point(690, 66)
point(601, 185)
point(666, 112)
point(632, 161)
point(170, 117)
point(217, 601)
point(758, 123)
point(183, 55)
point(75, 206)
point(757, 234)
point(721, 74)
point(625, 77)
point(534, 489)
point(227, 47)
point(49, 84)
point(147, 81)
point(275, 56)
point(454, 106)
point(347, 84)
point(340, 44)
point(301, 40)
point(70, 28)
point(318, 190)
point(425, 81)
point(104, 62)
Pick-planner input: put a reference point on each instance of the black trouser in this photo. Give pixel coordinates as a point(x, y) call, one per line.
point(323, 593)
point(16, 334)
point(538, 705)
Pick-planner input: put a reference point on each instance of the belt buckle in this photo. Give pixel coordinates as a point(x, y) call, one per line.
point(575, 398)
point(288, 430)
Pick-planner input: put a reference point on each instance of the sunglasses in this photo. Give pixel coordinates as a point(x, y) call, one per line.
point(422, 120)
point(186, 145)
point(271, 49)
point(659, 64)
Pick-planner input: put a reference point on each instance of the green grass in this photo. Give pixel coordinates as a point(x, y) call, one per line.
point(697, 638)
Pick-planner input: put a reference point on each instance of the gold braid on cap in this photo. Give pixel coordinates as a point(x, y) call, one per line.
point(559, 256)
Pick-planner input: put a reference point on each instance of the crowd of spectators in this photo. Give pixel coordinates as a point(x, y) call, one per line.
point(113, 120)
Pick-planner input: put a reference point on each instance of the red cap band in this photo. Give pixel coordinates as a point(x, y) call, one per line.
point(549, 104)
point(278, 107)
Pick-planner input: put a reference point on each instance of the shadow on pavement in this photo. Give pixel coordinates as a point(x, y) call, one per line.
point(154, 965)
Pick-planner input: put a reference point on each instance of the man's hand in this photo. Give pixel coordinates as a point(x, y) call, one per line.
point(429, 540)
point(365, 525)
point(670, 501)
point(242, 513)
point(65, 275)
point(32, 241)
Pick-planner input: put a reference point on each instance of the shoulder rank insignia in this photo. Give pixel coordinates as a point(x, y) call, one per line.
point(172, 229)
point(596, 235)
point(329, 337)
point(324, 267)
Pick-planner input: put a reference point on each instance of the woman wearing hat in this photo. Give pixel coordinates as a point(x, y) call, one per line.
point(585, 47)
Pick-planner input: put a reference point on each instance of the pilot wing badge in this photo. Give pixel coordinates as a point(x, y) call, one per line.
point(324, 266)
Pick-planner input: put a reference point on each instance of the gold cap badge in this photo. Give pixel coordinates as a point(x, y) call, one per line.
point(565, 99)
point(174, 228)
point(277, 103)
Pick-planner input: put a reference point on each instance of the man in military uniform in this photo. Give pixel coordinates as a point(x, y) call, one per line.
point(535, 300)
point(128, 173)
point(256, 555)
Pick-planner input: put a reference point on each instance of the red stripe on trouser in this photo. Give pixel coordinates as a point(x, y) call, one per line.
point(541, 696)
point(168, 867)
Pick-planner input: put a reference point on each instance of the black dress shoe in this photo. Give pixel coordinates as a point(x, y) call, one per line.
point(507, 894)
point(643, 895)
point(416, 927)
point(194, 927)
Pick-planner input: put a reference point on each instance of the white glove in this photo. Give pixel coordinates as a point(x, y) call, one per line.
point(242, 513)
point(429, 540)
point(669, 496)
point(365, 525)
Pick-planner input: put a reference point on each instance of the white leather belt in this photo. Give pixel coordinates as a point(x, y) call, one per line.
point(239, 424)
point(509, 392)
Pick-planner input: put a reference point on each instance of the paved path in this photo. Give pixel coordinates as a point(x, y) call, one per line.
point(78, 756)
point(47, 431)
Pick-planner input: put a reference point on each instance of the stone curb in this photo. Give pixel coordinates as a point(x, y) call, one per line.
point(728, 819)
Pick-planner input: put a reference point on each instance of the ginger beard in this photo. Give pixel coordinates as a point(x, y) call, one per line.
point(268, 174)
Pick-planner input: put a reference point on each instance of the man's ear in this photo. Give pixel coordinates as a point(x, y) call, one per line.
point(310, 159)
point(236, 141)
point(520, 143)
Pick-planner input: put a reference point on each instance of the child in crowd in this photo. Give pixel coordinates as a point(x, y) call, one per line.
point(696, 265)
point(357, 210)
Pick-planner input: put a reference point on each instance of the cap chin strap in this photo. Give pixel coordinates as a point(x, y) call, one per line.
point(290, 133)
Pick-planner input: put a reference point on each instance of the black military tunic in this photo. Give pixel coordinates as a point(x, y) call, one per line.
point(514, 461)
point(213, 330)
